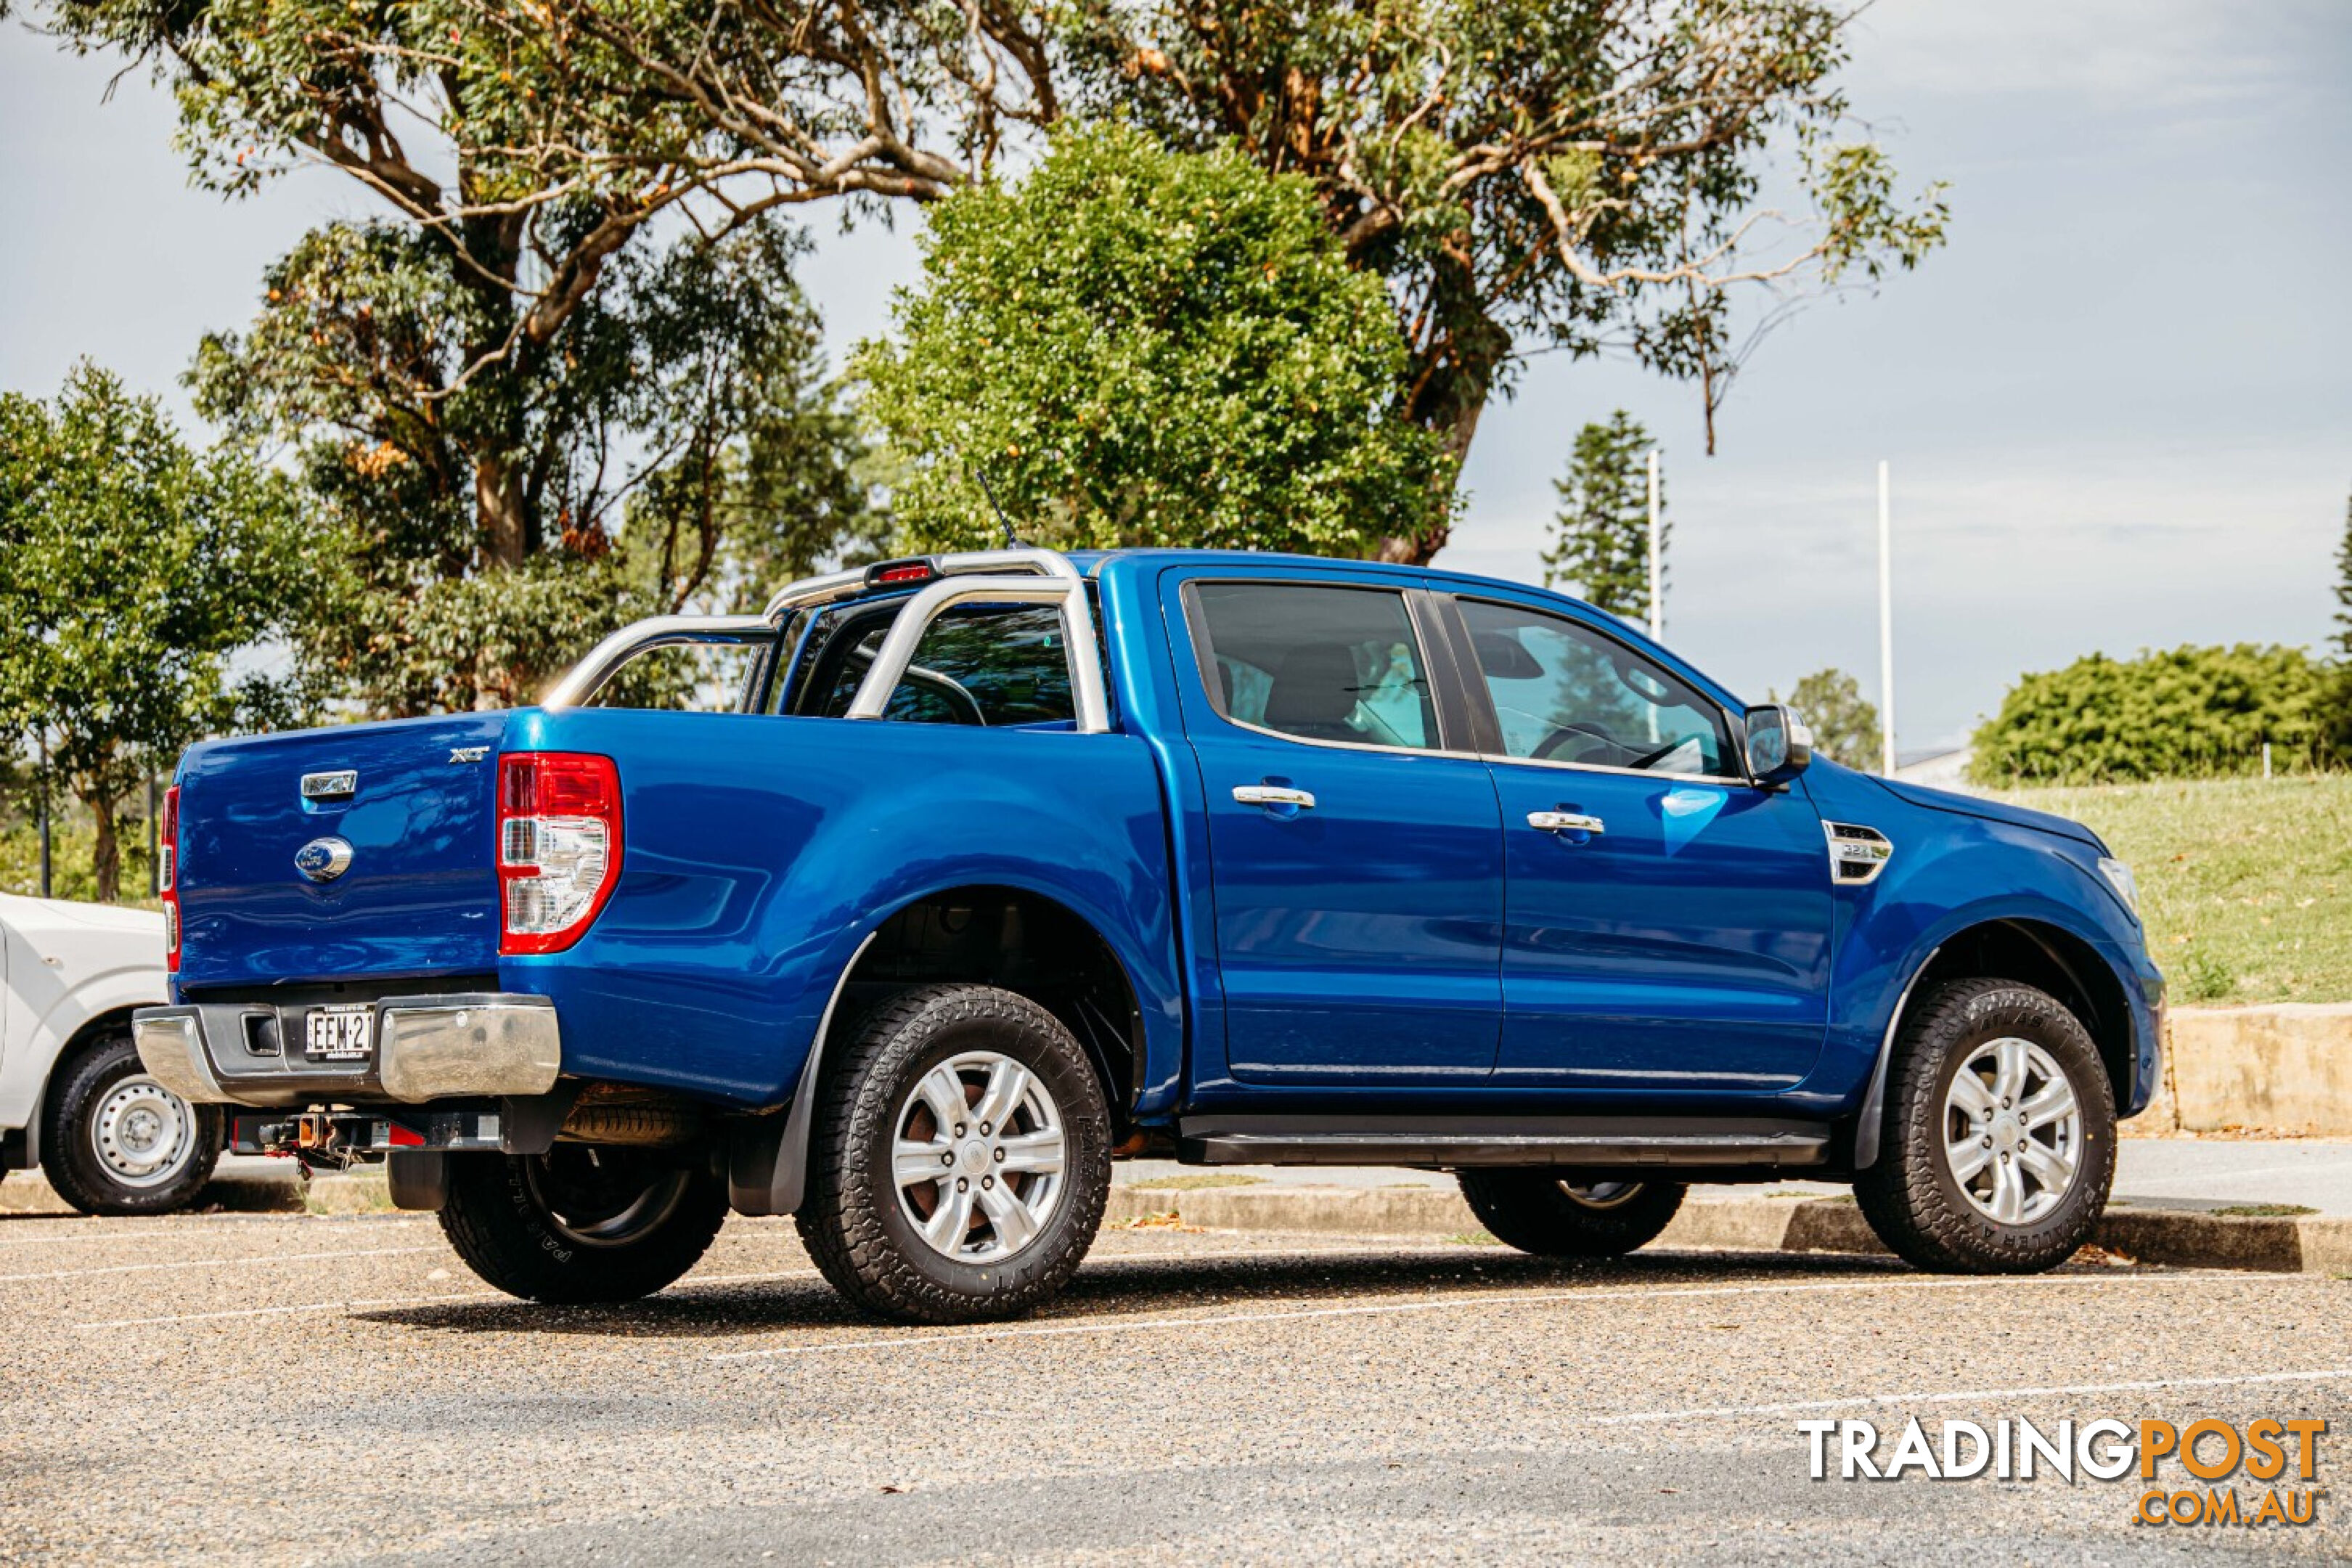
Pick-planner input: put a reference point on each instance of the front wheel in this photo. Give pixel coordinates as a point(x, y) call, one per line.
point(960, 1158)
point(581, 1224)
point(1556, 1215)
point(118, 1143)
point(1999, 1139)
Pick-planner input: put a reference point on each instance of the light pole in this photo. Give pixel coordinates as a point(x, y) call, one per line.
point(1657, 587)
point(1886, 628)
point(42, 780)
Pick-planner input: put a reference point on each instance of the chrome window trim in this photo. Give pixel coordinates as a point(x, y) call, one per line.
point(1349, 745)
point(1204, 654)
point(1735, 729)
point(1653, 774)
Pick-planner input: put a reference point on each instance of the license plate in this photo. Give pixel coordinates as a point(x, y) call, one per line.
point(338, 1033)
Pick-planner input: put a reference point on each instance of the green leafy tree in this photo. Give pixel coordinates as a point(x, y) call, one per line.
point(1558, 175)
point(2182, 713)
point(1845, 724)
point(681, 444)
point(544, 382)
point(130, 568)
point(1520, 174)
point(1135, 346)
point(1601, 538)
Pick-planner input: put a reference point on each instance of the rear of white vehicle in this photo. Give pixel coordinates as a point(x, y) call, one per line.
point(74, 1100)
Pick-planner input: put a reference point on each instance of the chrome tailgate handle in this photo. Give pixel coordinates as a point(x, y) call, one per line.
point(1272, 795)
point(1565, 822)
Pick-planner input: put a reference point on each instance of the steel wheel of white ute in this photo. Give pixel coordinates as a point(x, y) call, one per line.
point(2012, 1130)
point(977, 1157)
point(142, 1132)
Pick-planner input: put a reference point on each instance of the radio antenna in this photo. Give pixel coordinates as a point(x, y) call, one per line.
point(1011, 539)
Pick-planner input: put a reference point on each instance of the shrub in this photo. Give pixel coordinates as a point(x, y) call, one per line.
point(2186, 712)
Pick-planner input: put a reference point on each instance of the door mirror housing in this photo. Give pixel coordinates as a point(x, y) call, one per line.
point(1778, 745)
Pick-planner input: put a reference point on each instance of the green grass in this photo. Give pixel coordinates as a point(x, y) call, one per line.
point(2265, 1211)
point(2245, 883)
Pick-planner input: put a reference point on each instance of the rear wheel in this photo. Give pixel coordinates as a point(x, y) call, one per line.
point(118, 1143)
point(960, 1158)
point(1999, 1144)
point(1554, 1214)
point(582, 1223)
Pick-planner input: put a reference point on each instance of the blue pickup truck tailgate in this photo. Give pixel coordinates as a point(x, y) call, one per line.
point(420, 896)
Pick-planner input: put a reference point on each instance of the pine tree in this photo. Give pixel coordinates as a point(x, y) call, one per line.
point(1602, 538)
point(2344, 586)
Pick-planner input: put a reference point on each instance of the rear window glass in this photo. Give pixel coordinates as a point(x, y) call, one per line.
point(687, 677)
point(977, 664)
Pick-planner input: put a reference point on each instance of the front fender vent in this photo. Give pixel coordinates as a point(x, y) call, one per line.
point(1857, 854)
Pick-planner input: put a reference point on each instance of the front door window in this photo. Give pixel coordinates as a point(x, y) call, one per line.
point(1564, 692)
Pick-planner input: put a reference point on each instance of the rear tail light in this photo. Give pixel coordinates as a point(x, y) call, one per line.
point(167, 875)
point(559, 847)
point(891, 573)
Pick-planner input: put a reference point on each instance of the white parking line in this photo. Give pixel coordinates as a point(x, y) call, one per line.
point(216, 1263)
point(691, 1282)
point(85, 1235)
point(197, 1226)
point(1465, 1302)
point(1967, 1396)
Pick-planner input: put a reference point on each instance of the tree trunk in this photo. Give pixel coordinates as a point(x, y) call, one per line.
point(1450, 381)
point(1460, 426)
point(503, 512)
point(105, 854)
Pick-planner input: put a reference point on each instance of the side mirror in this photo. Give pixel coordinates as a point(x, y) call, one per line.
point(1779, 745)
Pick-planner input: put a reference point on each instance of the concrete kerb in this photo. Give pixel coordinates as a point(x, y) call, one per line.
point(1747, 1223)
point(355, 1191)
point(2180, 1237)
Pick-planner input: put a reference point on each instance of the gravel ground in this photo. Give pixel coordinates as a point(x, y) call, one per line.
point(293, 1389)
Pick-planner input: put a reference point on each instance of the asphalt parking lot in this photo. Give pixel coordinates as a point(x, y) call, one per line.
point(289, 1388)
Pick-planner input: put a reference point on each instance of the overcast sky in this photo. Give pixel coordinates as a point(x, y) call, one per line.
point(2118, 406)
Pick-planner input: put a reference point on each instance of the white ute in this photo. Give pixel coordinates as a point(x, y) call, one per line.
point(74, 1098)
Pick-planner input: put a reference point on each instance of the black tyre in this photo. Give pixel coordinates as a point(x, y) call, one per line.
point(115, 1141)
point(1998, 1144)
point(1554, 1213)
point(582, 1223)
point(960, 1159)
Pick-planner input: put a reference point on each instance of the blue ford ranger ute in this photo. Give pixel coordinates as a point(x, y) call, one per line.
point(994, 869)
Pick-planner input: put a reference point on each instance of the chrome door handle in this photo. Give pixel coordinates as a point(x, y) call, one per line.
point(1272, 795)
point(1566, 822)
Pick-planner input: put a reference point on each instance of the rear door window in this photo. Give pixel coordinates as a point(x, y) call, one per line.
point(1319, 662)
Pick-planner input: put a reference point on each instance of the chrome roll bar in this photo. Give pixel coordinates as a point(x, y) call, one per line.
point(898, 650)
point(584, 679)
point(1022, 575)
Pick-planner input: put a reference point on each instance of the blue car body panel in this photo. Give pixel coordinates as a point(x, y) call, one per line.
point(758, 857)
point(1411, 944)
point(420, 897)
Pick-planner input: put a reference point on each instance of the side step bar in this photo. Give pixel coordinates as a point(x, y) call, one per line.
point(1595, 1143)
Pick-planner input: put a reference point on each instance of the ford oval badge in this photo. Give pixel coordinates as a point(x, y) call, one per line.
point(323, 860)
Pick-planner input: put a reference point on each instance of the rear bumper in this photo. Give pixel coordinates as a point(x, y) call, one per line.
point(433, 1047)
